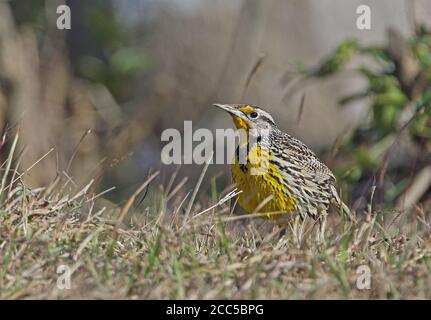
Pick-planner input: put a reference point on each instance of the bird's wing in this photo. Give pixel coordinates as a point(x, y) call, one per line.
point(303, 157)
point(303, 170)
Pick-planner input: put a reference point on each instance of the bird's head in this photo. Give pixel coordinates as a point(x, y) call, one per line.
point(246, 116)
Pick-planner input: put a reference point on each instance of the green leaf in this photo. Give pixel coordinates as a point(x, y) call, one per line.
point(129, 61)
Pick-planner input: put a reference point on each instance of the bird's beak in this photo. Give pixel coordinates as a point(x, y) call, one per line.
point(239, 118)
point(230, 109)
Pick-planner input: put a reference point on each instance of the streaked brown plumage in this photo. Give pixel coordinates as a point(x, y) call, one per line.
point(296, 181)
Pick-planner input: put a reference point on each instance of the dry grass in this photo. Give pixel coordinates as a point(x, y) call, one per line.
point(157, 254)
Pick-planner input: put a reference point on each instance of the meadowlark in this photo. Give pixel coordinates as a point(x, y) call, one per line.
point(295, 180)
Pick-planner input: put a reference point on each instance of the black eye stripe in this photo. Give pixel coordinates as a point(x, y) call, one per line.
point(267, 119)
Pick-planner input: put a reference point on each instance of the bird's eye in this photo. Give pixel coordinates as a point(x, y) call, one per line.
point(254, 115)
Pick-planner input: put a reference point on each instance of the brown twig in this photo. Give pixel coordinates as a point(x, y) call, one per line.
point(410, 6)
point(301, 109)
point(132, 198)
point(381, 169)
point(75, 151)
point(420, 184)
point(252, 72)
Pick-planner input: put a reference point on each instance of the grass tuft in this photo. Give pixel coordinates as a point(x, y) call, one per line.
point(154, 252)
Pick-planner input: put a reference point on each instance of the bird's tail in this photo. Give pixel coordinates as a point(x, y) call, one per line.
point(343, 209)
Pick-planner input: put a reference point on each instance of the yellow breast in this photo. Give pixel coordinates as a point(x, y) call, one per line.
point(261, 190)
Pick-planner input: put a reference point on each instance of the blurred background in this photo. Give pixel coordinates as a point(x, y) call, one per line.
point(102, 92)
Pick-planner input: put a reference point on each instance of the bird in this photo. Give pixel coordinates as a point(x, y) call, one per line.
point(277, 174)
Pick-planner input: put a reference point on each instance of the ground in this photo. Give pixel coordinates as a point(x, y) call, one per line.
point(135, 252)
